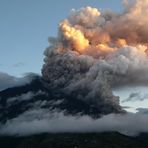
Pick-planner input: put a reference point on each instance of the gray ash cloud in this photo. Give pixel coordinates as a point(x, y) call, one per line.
point(95, 52)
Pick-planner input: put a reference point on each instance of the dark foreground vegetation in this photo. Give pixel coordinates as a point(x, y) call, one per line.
point(64, 140)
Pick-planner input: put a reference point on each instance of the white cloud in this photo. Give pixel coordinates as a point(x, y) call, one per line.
point(7, 81)
point(41, 121)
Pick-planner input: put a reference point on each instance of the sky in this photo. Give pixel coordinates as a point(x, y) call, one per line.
point(25, 26)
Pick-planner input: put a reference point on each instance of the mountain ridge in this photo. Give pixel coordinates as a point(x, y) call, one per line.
point(16, 100)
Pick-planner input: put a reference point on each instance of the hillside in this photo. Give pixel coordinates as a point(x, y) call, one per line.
point(89, 140)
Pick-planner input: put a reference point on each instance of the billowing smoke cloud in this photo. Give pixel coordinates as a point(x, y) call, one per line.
point(41, 121)
point(97, 51)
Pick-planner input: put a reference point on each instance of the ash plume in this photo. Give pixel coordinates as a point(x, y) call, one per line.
point(93, 53)
point(96, 51)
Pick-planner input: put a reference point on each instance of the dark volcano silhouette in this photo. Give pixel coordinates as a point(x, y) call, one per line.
point(54, 99)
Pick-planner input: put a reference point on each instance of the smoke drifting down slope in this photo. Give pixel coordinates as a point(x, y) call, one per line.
point(95, 52)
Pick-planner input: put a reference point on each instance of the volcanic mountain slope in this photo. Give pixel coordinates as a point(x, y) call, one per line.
point(37, 95)
point(85, 140)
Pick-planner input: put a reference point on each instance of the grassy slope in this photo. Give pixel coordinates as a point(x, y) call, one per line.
point(90, 140)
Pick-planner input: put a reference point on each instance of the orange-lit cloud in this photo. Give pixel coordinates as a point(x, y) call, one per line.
point(74, 36)
point(88, 28)
point(96, 51)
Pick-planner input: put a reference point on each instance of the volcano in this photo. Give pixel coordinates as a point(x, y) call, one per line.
point(37, 94)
